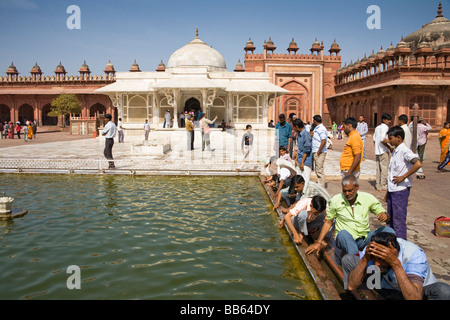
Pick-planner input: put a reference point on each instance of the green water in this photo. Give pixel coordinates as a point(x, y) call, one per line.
point(137, 237)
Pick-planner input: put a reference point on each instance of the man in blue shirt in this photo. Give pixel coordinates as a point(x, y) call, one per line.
point(283, 134)
point(403, 270)
point(304, 145)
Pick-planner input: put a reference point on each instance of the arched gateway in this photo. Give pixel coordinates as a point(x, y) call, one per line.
point(195, 78)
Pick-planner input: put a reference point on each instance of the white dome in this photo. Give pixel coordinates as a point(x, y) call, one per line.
point(197, 54)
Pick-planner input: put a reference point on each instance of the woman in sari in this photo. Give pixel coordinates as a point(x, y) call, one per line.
point(30, 131)
point(11, 131)
point(444, 136)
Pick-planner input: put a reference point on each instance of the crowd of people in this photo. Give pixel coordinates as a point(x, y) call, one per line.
point(8, 130)
point(309, 209)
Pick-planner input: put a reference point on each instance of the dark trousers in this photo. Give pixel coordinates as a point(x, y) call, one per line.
point(421, 151)
point(109, 142)
point(397, 203)
point(445, 161)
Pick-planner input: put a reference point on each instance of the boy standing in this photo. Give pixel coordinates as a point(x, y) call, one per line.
point(403, 164)
point(247, 146)
point(25, 131)
point(146, 129)
point(120, 130)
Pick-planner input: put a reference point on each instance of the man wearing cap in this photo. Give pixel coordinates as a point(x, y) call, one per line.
point(110, 132)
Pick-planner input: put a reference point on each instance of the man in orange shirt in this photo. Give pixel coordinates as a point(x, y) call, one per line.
point(352, 154)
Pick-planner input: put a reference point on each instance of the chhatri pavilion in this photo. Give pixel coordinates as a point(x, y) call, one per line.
point(195, 78)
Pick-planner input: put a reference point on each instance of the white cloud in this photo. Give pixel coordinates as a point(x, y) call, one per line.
point(19, 4)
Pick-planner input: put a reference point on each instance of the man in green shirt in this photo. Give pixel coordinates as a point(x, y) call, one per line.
point(334, 129)
point(350, 210)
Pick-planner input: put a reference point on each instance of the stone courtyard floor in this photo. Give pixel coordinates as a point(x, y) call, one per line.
point(61, 152)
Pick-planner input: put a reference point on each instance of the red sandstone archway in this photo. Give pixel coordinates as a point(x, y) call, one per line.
point(295, 101)
point(46, 120)
point(5, 113)
point(26, 113)
point(98, 107)
point(292, 105)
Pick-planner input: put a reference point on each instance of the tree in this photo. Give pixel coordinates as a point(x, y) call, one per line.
point(63, 105)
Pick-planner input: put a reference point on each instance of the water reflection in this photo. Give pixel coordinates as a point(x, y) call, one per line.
point(144, 238)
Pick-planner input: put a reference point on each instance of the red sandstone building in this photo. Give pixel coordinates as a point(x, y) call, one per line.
point(309, 77)
point(391, 81)
point(25, 98)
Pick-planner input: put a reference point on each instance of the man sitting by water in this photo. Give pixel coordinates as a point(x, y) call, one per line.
point(404, 272)
point(350, 210)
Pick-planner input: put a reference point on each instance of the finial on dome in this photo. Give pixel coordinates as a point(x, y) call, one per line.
point(196, 33)
point(439, 12)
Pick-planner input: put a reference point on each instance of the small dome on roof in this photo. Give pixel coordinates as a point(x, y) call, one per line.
point(364, 59)
point(249, 46)
point(36, 69)
point(12, 69)
point(135, 67)
point(334, 44)
point(381, 53)
point(161, 67)
point(402, 44)
point(109, 67)
point(239, 66)
point(60, 68)
point(315, 46)
point(292, 46)
point(84, 68)
point(424, 44)
point(372, 56)
point(269, 45)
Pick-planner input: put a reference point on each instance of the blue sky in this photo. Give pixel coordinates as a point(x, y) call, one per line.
point(150, 30)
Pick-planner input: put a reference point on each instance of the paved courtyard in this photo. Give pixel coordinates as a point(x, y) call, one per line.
point(60, 152)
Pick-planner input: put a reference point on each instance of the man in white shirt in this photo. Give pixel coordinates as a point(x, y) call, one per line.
point(403, 123)
point(382, 149)
point(404, 163)
point(110, 132)
point(120, 130)
point(167, 119)
point(362, 128)
point(146, 129)
point(319, 148)
point(285, 171)
point(308, 213)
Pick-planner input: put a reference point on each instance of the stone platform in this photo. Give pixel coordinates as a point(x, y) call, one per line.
point(86, 155)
